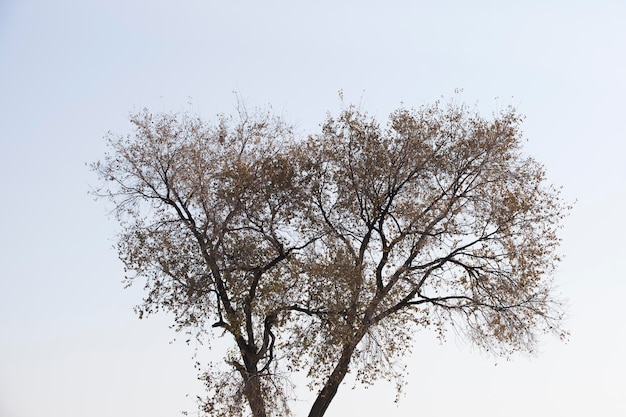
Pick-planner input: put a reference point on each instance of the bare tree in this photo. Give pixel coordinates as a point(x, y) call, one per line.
point(437, 219)
point(326, 254)
point(209, 218)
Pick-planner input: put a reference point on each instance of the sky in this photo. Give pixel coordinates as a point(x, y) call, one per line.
point(72, 70)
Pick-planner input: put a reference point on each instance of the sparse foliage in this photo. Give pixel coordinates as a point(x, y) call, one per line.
point(327, 253)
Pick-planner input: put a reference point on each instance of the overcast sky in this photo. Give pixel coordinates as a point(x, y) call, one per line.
point(71, 70)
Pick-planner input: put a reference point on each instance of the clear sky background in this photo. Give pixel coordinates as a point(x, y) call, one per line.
point(70, 70)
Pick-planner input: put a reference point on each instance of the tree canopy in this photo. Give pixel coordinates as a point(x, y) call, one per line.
point(326, 254)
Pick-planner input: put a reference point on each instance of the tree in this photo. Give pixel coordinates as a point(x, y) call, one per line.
point(326, 254)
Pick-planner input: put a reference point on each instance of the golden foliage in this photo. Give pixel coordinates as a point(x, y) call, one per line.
point(327, 253)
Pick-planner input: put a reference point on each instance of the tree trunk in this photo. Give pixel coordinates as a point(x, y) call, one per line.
point(329, 390)
point(252, 383)
point(252, 391)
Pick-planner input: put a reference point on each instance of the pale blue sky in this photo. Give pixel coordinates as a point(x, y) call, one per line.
point(70, 70)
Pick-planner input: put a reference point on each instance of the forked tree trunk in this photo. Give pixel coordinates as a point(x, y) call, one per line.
point(329, 390)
